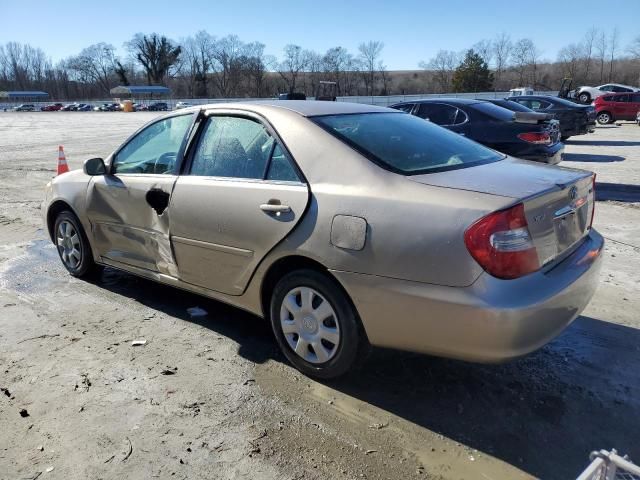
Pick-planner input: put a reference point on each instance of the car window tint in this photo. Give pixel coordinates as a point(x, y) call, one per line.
point(232, 147)
point(606, 88)
point(154, 149)
point(406, 144)
point(621, 98)
point(280, 167)
point(608, 98)
point(636, 98)
point(438, 113)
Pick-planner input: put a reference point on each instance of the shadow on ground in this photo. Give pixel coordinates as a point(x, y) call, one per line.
point(603, 143)
point(543, 413)
point(619, 192)
point(586, 157)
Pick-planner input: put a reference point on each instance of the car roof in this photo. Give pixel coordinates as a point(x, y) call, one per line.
point(306, 108)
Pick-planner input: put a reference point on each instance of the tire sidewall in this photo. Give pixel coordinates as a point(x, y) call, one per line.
point(86, 261)
point(350, 333)
point(584, 95)
point(608, 115)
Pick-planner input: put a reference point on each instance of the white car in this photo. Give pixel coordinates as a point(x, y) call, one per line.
point(588, 94)
point(181, 105)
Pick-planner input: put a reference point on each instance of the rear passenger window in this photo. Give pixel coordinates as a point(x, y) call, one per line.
point(232, 147)
point(621, 98)
point(280, 167)
point(407, 107)
point(636, 98)
point(438, 113)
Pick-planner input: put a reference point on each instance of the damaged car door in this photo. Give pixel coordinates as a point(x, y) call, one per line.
point(128, 207)
point(239, 195)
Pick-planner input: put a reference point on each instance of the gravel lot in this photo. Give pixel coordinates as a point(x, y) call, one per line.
point(213, 398)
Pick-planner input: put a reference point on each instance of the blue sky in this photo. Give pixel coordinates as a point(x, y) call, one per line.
point(411, 30)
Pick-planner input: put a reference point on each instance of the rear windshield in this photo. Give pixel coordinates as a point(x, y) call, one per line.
point(494, 111)
point(406, 144)
point(513, 106)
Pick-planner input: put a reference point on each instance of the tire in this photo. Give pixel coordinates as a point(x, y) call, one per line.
point(584, 97)
point(604, 118)
point(71, 243)
point(330, 338)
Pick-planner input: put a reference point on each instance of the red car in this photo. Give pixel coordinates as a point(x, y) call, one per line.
point(54, 107)
point(619, 106)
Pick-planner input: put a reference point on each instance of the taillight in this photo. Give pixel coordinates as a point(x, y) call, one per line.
point(593, 204)
point(502, 245)
point(538, 138)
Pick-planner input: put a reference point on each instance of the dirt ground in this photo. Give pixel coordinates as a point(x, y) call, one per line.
point(211, 397)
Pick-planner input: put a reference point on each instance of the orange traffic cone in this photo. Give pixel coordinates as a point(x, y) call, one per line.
point(62, 161)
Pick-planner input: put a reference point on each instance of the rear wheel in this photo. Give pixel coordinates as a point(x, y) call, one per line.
point(584, 97)
point(604, 118)
point(72, 245)
point(315, 325)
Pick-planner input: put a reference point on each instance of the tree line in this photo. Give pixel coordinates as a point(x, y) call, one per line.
point(205, 66)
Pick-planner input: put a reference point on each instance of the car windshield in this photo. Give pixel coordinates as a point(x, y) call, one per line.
point(406, 144)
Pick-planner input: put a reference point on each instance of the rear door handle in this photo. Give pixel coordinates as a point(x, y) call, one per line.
point(275, 208)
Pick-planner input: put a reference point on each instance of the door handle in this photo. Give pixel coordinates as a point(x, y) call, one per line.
point(275, 208)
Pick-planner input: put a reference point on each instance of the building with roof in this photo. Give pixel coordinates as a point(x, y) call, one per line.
point(23, 96)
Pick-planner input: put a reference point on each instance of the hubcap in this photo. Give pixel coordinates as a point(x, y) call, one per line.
point(604, 118)
point(68, 243)
point(309, 325)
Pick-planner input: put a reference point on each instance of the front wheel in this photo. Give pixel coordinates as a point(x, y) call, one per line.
point(604, 118)
point(72, 245)
point(315, 325)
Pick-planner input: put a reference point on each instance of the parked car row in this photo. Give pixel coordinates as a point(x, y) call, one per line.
point(526, 126)
point(87, 107)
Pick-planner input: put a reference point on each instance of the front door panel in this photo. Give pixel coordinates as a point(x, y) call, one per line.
point(128, 221)
point(222, 228)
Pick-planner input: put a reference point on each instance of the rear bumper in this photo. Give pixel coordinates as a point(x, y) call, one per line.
point(551, 154)
point(490, 321)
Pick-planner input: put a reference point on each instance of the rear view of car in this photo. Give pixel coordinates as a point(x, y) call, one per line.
point(574, 119)
point(620, 106)
point(526, 135)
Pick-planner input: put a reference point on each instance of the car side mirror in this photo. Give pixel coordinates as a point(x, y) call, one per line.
point(94, 166)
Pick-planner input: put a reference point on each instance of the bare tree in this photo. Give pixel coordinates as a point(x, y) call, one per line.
point(525, 59)
point(590, 39)
point(96, 64)
point(370, 56)
point(613, 47)
point(484, 48)
point(634, 48)
point(294, 62)
point(443, 66)
point(601, 51)
point(156, 53)
point(502, 48)
point(570, 58)
point(197, 52)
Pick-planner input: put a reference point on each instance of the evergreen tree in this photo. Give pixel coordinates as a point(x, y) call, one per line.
point(472, 75)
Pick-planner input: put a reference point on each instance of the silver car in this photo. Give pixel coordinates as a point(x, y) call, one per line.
point(345, 225)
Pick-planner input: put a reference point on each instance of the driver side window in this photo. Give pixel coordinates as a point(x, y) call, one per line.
point(155, 149)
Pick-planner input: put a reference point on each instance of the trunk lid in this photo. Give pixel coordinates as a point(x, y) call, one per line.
point(558, 201)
